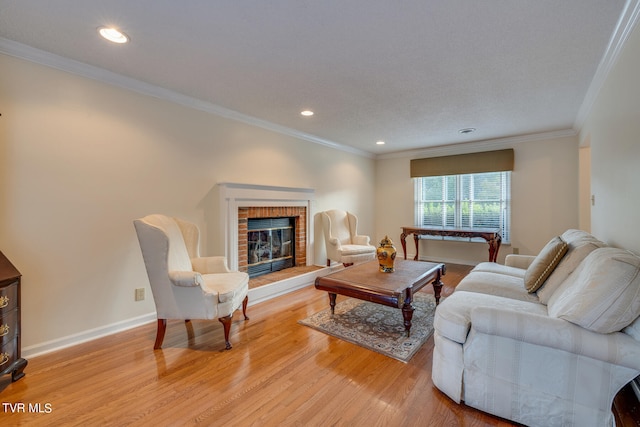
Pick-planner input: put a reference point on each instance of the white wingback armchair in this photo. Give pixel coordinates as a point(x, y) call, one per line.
point(342, 241)
point(185, 285)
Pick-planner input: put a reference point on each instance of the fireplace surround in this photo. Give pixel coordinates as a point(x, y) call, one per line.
point(239, 202)
point(277, 241)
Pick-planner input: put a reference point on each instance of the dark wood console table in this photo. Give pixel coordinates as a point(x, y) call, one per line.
point(492, 237)
point(10, 360)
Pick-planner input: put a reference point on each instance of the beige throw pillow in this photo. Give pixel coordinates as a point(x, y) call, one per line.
point(542, 266)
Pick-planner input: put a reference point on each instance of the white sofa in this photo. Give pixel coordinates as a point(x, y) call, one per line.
point(552, 356)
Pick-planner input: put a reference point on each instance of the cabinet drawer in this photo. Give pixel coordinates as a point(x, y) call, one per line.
point(8, 298)
point(8, 326)
point(8, 354)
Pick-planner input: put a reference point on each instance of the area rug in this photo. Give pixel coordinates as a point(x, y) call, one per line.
point(378, 327)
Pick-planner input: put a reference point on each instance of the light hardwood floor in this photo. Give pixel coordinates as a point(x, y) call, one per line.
point(279, 373)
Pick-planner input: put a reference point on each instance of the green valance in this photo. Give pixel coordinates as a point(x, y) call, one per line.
point(487, 161)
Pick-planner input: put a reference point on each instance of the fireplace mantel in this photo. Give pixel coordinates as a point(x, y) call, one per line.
point(234, 195)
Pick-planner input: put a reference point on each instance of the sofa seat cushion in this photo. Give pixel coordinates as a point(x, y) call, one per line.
point(494, 267)
point(453, 315)
point(602, 294)
point(502, 285)
point(580, 244)
point(544, 264)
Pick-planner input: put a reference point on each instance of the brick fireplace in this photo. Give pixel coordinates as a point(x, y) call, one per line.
point(297, 213)
point(239, 202)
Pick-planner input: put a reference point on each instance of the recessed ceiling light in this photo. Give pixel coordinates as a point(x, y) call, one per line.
point(113, 35)
point(307, 113)
point(467, 130)
point(380, 143)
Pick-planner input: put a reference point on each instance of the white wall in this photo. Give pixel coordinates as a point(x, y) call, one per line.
point(544, 199)
point(613, 129)
point(584, 198)
point(81, 159)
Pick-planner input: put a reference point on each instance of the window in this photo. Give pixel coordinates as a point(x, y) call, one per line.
point(479, 200)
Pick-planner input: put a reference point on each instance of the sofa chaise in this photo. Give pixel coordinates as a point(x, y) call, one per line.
point(546, 340)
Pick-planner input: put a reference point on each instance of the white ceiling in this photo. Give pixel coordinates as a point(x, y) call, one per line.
point(410, 72)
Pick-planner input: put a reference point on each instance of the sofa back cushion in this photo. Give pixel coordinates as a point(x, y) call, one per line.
point(602, 294)
point(544, 264)
point(580, 244)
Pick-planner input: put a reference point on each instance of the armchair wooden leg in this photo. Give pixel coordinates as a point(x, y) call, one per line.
point(162, 327)
point(226, 323)
point(244, 307)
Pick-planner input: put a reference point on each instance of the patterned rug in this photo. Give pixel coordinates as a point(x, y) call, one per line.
point(378, 327)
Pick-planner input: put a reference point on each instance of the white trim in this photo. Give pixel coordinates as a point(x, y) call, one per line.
point(22, 51)
point(477, 146)
point(85, 336)
point(625, 26)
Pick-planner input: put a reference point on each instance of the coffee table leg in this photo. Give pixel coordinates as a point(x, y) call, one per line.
point(332, 301)
point(407, 313)
point(437, 284)
point(437, 288)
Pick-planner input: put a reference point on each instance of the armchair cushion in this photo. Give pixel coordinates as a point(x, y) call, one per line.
point(544, 264)
point(584, 300)
point(227, 286)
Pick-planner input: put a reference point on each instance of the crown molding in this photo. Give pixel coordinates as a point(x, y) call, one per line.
point(626, 24)
point(22, 51)
point(477, 146)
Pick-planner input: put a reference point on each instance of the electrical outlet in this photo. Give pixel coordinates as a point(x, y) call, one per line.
point(139, 294)
point(516, 251)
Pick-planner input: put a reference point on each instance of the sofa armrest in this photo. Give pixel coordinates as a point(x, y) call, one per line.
point(186, 278)
point(616, 348)
point(210, 265)
point(519, 261)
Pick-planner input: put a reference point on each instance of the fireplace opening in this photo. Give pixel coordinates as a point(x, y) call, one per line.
point(270, 245)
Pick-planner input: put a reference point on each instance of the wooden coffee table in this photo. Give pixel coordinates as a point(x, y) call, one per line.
point(364, 281)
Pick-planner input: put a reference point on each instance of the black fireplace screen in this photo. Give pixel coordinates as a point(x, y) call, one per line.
point(270, 245)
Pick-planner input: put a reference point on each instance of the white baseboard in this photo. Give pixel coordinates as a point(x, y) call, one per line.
point(276, 289)
point(85, 336)
point(257, 295)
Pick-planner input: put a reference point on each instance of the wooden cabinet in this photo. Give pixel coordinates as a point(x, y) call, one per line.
point(10, 360)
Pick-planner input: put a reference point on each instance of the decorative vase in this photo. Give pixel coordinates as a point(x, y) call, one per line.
point(386, 255)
